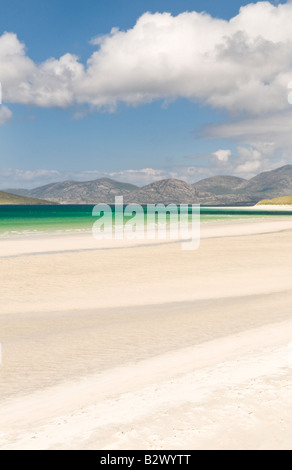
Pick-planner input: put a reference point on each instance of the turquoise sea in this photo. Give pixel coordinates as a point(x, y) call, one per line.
point(27, 220)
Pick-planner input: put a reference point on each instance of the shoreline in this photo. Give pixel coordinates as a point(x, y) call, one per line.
point(50, 243)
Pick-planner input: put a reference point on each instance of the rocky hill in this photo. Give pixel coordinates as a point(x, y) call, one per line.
point(270, 184)
point(165, 191)
point(222, 190)
point(8, 198)
point(76, 192)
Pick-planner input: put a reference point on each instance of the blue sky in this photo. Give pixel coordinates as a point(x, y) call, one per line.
point(129, 127)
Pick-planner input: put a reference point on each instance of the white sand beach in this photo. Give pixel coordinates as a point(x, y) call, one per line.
point(148, 346)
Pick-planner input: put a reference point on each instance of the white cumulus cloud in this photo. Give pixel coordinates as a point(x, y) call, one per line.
point(5, 115)
point(222, 155)
point(242, 65)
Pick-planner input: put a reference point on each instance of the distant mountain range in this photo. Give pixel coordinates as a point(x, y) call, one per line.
point(217, 190)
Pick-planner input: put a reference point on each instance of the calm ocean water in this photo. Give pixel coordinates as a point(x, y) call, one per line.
point(26, 220)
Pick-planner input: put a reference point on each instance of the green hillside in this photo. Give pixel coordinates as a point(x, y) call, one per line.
point(7, 198)
point(284, 200)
